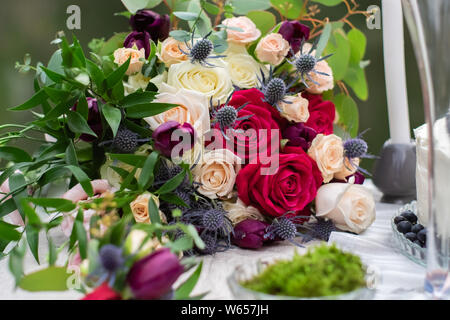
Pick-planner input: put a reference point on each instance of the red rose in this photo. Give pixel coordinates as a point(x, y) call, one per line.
point(292, 188)
point(251, 141)
point(322, 113)
point(104, 292)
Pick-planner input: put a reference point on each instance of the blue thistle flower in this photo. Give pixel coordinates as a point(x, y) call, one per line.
point(213, 219)
point(125, 141)
point(355, 148)
point(200, 51)
point(323, 228)
point(111, 257)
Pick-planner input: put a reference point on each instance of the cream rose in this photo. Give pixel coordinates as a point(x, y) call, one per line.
point(193, 108)
point(217, 173)
point(244, 70)
point(134, 244)
point(249, 31)
point(297, 110)
point(324, 83)
point(123, 54)
point(238, 212)
point(350, 206)
point(328, 152)
point(272, 49)
point(211, 82)
point(348, 168)
point(139, 207)
point(170, 52)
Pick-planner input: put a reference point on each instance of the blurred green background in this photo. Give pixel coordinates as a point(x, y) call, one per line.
point(28, 26)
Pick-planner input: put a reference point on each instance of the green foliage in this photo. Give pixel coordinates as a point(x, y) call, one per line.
point(50, 279)
point(322, 271)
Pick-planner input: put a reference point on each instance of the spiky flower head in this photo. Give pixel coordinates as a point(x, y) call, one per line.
point(226, 116)
point(305, 63)
point(323, 228)
point(111, 257)
point(355, 148)
point(285, 229)
point(201, 50)
point(213, 219)
point(126, 141)
point(210, 242)
point(275, 91)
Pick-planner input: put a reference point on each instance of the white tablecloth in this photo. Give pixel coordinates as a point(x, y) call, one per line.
point(400, 278)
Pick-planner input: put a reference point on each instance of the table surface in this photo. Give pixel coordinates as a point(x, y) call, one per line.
point(399, 277)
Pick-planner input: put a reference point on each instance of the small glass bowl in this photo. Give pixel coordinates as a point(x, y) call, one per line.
point(246, 272)
point(409, 249)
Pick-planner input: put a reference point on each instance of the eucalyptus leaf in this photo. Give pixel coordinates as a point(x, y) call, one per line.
point(50, 279)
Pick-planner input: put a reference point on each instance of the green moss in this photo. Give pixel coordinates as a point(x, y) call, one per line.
point(322, 271)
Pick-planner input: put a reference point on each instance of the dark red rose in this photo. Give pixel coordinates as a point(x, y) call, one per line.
point(294, 32)
point(140, 39)
point(299, 135)
point(157, 26)
point(249, 234)
point(291, 188)
point(104, 292)
point(322, 113)
point(250, 143)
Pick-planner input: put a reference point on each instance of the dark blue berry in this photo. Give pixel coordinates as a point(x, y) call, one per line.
point(422, 235)
point(411, 236)
point(399, 219)
point(111, 257)
point(416, 228)
point(404, 227)
point(410, 216)
point(126, 141)
point(355, 148)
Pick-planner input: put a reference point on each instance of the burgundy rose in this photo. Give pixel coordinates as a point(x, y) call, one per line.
point(249, 234)
point(94, 120)
point(104, 292)
point(139, 39)
point(299, 135)
point(152, 277)
point(322, 114)
point(165, 143)
point(294, 32)
point(156, 25)
point(249, 141)
point(291, 188)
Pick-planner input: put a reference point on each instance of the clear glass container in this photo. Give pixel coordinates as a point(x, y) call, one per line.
point(246, 272)
point(429, 24)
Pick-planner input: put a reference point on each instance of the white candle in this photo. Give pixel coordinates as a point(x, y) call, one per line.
point(394, 64)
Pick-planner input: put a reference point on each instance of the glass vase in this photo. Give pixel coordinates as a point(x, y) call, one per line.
point(429, 24)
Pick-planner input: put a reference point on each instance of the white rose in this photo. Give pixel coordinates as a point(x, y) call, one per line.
point(238, 212)
point(244, 70)
point(193, 108)
point(350, 206)
point(217, 173)
point(211, 82)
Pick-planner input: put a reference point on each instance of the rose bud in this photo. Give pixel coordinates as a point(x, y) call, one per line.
point(165, 143)
point(104, 292)
point(156, 25)
point(299, 135)
point(249, 234)
point(152, 277)
point(139, 39)
point(94, 120)
point(294, 32)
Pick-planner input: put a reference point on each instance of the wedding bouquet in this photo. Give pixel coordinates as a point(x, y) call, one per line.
point(184, 137)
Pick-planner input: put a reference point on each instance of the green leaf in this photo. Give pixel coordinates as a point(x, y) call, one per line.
point(324, 38)
point(53, 174)
point(147, 175)
point(135, 5)
point(264, 20)
point(180, 35)
point(117, 75)
point(30, 214)
point(211, 8)
point(61, 205)
point(153, 211)
point(328, 3)
point(52, 252)
point(148, 110)
point(37, 99)
point(243, 7)
point(113, 116)
point(50, 279)
point(203, 25)
point(131, 159)
point(15, 262)
point(348, 113)
point(78, 124)
point(291, 9)
point(83, 179)
point(173, 199)
point(137, 98)
point(96, 75)
point(358, 43)
point(114, 43)
point(188, 16)
point(7, 207)
point(184, 290)
point(173, 183)
point(14, 154)
point(56, 95)
point(8, 232)
point(182, 244)
point(55, 69)
point(356, 79)
point(83, 107)
point(339, 46)
point(32, 234)
point(71, 154)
